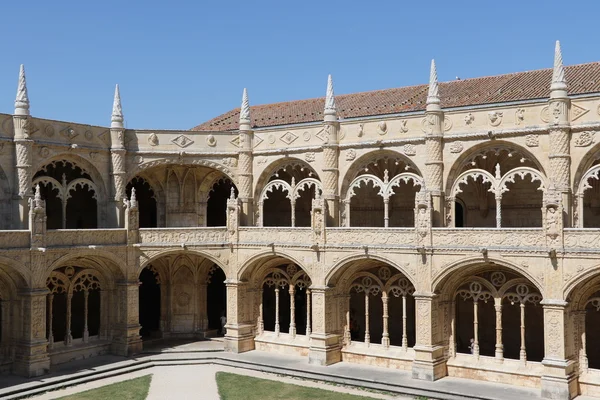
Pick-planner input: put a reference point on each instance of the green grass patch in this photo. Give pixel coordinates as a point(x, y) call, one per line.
point(133, 389)
point(241, 387)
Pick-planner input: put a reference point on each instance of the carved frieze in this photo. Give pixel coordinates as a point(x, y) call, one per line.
point(182, 235)
point(288, 138)
point(86, 237)
point(182, 141)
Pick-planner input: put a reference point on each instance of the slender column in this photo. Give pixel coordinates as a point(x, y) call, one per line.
point(68, 336)
point(367, 334)
point(245, 163)
point(50, 334)
point(277, 310)
point(499, 345)
point(308, 329)
point(385, 339)
point(583, 360)
point(523, 353)
point(64, 212)
point(261, 321)
point(293, 203)
point(498, 211)
point(86, 333)
point(347, 208)
point(404, 336)
point(261, 213)
point(386, 212)
point(579, 210)
point(293, 310)
point(347, 332)
point(475, 329)
point(452, 340)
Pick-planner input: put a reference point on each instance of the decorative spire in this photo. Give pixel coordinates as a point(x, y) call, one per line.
point(37, 197)
point(22, 100)
point(117, 112)
point(232, 195)
point(558, 88)
point(433, 96)
point(245, 110)
point(330, 109)
point(133, 200)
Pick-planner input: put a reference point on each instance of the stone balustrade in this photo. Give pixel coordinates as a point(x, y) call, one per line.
point(199, 235)
point(85, 237)
point(14, 239)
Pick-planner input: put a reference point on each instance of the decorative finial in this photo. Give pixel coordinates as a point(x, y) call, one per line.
point(558, 88)
point(22, 100)
point(117, 112)
point(433, 96)
point(133, 198)
point(330, 109)
point(498, 174)
point(245, 110)
point(232, 195)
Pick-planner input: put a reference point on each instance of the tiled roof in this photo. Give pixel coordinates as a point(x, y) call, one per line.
point(581, 79)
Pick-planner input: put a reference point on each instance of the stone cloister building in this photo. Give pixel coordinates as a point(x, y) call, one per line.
point(442, 229)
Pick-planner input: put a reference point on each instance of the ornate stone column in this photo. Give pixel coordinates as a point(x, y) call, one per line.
point(559, 129)
point(331, 158)
point(239, 337)
point(559, 380)
point(127, 339)
point(325, 348)
point(117, 155)
point(245, 164)
point(429, 363)
point(23, 150)
point(433, 125)
point(31, 355)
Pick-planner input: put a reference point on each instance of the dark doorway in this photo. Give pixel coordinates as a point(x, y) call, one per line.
point(149, 311)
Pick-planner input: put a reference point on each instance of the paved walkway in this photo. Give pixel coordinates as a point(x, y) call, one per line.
point(189, 367)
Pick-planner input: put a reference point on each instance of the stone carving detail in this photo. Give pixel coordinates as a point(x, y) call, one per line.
point(44, 152)
point(104, 137)
point(553, 221)
point(89, 135)
point(49, 130)
point(306, 136)
point(584, 139)
point(233, 217)
point(138, 159)
point(182, 141)
point(577, 111)
point(323, 134)
point(183, 235)
point(350, 154)
point(495, 118)
point(409, 149)
point(532, 140)
point(69, 133)
point(545, 114)
point(403, 127)
point(318, 218)
point(361, 128)
point(469, 118)
point(310, 157)
point(230, 162)
point(456, 147)
point(382, 128)
point(211, 141)
point(519, 116)
point(257, 140)
point(447, 123)
point(153, 139)
point(423, 213)
point(288, 138)
point(271, 139)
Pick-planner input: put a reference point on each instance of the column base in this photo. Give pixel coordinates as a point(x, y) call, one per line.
point(127, 343)
point(429, 363)
point(31, 359)
point(324, 349)
point(559, 380)
point(239, 339)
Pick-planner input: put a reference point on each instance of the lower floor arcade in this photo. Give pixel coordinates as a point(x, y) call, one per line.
point(482, 321)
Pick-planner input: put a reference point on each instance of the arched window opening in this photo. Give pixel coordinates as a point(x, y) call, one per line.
point(216, 208)
point(590, 356)
point(522, 204)
point(382, 194)
point(380, 309)
point(498, 314)
point(478, 197)
point(150, 303)
point(587, 199)
point(70, 195)
point(286, 199)
point(285, 302)
point(74, 306)
point(216, 298)
point(146, 201)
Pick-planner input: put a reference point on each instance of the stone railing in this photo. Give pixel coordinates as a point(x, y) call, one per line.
point(284, 236)
point(396, 237)
point(456, 238)
point(582, 239)
point(14, 239)
point(85, 237)
point(201, 235)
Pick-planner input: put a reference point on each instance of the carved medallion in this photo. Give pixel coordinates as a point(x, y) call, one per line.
point(584, 139)
point(532, 140)
point(495, 118)
point(310, 157)
point(350, 154)
point(306, 136)
point(211, 141)
point(409, 149)
point(519, 116)
point(469, 118)
point(403, 127)
point(382, 128)
point(447, 123)
point(44, 152)
point(89, 135)
point(49, 131)
point(271, 139)
point(456, 147)
point(69, 133)
point(153, 139)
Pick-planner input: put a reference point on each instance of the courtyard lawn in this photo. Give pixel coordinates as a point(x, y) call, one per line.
point(241, 387)
point(133, 389)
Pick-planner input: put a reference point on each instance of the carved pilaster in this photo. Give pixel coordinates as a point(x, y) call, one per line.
point(233, 218)
point(325, 348)
point(31, 356)
point(37, 220)
point(429, 363)
point(24, 161)
point(331, 172)
point(240, 329)
point(318, 219)
point(245, 174)
point(552, 217)
point(118, 180)
point(127, 339)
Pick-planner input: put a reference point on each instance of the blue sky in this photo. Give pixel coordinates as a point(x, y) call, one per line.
point(180, 63)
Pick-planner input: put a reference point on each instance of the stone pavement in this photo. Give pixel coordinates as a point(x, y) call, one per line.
point(209, 353)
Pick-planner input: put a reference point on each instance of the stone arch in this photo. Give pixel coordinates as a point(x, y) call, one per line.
point(276, 165)
point(19, 274)
point(155, 256)
point(250, 265)
point(576, 289)
point(82, 163)
point(470, 266)
point(338, 269)
point(177, 160)
point(586, 163)
point(110, 265)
